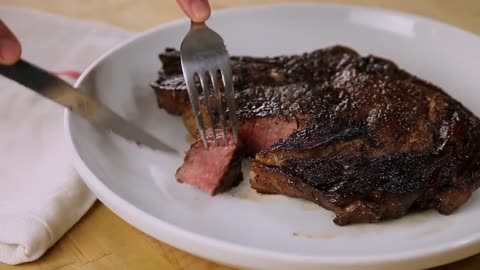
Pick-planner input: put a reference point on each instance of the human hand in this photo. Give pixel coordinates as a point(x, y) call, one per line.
point(10, 49)
point(196, 10)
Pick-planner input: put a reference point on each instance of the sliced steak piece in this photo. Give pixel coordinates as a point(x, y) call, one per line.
point(214, 170)
point(356, 135)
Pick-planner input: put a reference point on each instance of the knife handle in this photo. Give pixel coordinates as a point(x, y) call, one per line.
point(28, 75)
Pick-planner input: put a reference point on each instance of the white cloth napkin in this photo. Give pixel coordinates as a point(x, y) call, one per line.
point(41, 196)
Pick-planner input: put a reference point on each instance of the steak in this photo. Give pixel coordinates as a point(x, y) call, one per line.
point(356, 135)
point(261, 123)
point(215, 170)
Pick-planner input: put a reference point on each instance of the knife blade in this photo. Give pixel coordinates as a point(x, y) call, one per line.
point(59, 91)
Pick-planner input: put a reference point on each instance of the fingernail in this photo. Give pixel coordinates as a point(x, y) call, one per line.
point(200, 11)
point(9, 51)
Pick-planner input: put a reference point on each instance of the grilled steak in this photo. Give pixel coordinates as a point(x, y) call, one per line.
point(215, 170)
point(261, 123)
point(356, 135)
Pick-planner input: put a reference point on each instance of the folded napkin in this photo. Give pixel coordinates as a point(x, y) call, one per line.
point(41, 196)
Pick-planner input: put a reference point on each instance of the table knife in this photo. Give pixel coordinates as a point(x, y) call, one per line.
point(55, 89)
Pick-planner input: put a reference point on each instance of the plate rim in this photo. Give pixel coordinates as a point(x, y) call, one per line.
point(143, 220)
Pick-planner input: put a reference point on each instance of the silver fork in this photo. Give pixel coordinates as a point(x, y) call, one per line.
point(203, 54)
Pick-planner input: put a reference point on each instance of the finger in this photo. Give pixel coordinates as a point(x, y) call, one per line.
point(10, 49)
point(196, 10)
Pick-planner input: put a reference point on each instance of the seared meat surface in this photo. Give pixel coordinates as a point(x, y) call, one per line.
point(356, 135)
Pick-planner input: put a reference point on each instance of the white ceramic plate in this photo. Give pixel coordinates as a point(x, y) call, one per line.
point(271, 232)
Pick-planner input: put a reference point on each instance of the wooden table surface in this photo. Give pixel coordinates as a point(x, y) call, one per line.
point(101, 240)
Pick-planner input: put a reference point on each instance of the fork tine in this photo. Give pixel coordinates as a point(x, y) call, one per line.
point(193, 95)
point(206, 95)
point(219, 101)
point(227, 81)
point(204, 49)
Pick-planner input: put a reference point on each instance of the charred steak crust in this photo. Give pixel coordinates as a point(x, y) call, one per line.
point(356, 135)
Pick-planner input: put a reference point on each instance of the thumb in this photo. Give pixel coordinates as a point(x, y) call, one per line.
point(10, 49)
point(196, 10)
